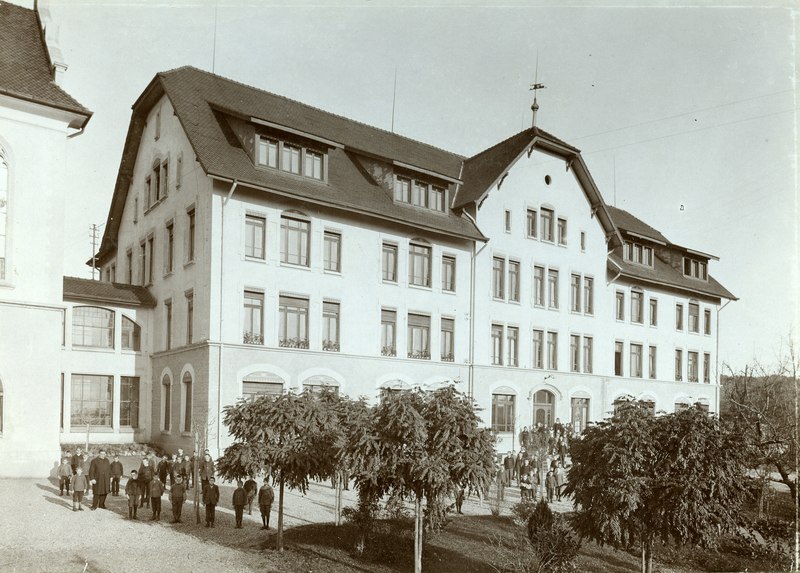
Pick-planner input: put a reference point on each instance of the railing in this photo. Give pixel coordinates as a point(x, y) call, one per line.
point(253, 338)
point(293, 343)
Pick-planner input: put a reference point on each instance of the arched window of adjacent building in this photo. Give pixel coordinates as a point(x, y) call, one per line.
point(186, 400)
point(131, 335)
point(4, 184)
point(262, 384)
point(544, 408)
point(166, 403)
point(316, 384)
point(92, 327)
point(504, 401)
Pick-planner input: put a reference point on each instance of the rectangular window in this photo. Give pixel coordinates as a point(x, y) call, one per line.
point(653, 312)
point(129, 265)
point(636, 360)
point(92, 400)
point(448, 273)
point(538, 286)
point(290, 159)
point(707, 321)
point(437, 201)
point(129, 402)
point(678, 364)
point(142, 263)
point(169, 263)
point(618, 346)
point(402, 190)
point(583, 241)
point(164, 180)
point(562, 231)
point(312, 167)
point(332, 251)
point(575, 293)
point(498, 277)
point(513, 281)
point(637, 306)
point(497, 344)
point(552, 350)
point(538, 349)
point(158, 124)
point(330, 326)
point(706, 367)
point(448, 340)
point(388, 331)
point(294, 241)
point(293, 327)
point(679, 316)
point(156, 182)
point(512, 344)
point(574, 353)
point(168, 324)
point(532, 217)
point(255, 236)
point(547, 224)
point(692, 366)
point(620, 308)
point(419, 265)
point(179, 171)
point(190, 235)
point(419, 194)
point(588, 295)
point(419, 339)
point(694, 317)
point(268, 152)
point(503, 412)
point(253, 317)
point(189, 317)
point(389, 263)
point(651, 360)
point(588, 354)
point(552, 288)
point(507, 221)
point(150, 259)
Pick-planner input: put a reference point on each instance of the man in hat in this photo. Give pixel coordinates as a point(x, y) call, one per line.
point(100, 479)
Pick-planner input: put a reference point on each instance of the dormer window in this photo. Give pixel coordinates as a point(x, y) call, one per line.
point(695, 269)
point(419, 193)
point(291, 157)
point(639, 254)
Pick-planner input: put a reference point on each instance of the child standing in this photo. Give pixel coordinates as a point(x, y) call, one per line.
point(239, 501)
point(550, 485)
point(116, 474)
point(266, 495)
point(211, 499)
point(156, 491)
point(177, 493)
point(132, 490)
point(79, 485)
point(64, 475)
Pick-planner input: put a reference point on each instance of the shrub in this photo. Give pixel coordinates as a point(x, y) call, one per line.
point(523, 510)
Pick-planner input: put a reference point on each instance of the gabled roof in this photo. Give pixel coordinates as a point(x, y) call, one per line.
point(117, 294)
point(25, 69)
point(628, 223)
point(663, 274)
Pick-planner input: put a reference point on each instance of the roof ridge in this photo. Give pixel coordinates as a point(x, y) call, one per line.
point(499, 143)
point(319, 109)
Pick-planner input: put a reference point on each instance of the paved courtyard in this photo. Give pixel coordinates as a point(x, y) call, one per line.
point(40, 532)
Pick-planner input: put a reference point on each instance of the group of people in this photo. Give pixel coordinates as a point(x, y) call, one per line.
point(147, 485)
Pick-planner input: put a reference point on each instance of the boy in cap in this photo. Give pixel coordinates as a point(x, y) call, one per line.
point(211, 499)
point(64, 474)
point(266, 496)
point(239, 501)
point(132, 490)
point(177, 493)
point(156, 491)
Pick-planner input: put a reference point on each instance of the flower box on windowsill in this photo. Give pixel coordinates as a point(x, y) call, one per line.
point(448, 358)
point(293, 343)
point(330, 346)
point(421, 355)
point(253, 338)
point(388, 351)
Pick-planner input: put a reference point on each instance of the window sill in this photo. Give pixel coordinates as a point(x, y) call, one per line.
point(166, 433)
point(261, 260)
point(130, 352)
point(128, 430)
point(93, 349)
point(168, 274)
point(332, 273)
point(513, 302)
point(295, 266)
point(419, 287)
point(446, 291)
point(388, 282)
point(188, 263)
point(186, 434)
point(154, 205)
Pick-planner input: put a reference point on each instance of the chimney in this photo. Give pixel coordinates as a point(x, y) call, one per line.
point(50, 33)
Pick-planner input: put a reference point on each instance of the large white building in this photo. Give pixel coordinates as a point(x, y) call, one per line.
point(285, 247)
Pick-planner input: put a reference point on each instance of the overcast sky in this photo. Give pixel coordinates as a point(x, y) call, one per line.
point(685, 116)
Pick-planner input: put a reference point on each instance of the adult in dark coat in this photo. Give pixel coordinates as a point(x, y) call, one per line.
point(206, 470)
point(100, 478)
point(146, 474)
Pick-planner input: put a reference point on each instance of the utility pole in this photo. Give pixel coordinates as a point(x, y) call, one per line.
point(94, 233)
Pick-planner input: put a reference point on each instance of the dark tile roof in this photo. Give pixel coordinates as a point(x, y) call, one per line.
point(627, 222)
point(483, 169)
point(107, 293)
point(664, 274)
point(25, 67)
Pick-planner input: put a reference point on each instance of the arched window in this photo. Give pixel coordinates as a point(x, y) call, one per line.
point(92, 326)
point(131, 335)
point(262, 384)
point(393, 386)
point(315, 384)
point(186, 399)
point(543, 408)
point(166, 403)
point(682, 404)
point(3, 212)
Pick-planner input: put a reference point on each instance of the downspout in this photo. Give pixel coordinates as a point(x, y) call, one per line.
point(475, 253)
point(716, 359)
point(225, 200)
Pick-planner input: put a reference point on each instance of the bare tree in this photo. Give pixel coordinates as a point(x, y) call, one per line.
point(200, 431)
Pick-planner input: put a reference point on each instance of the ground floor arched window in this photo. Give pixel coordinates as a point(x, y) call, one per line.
point(262, 384)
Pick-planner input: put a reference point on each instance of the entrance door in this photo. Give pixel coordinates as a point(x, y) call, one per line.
point(580, 413)
point(543, 408)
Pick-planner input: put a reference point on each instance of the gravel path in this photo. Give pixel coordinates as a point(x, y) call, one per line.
point(39, 532)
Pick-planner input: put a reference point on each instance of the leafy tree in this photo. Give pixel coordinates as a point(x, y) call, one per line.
point(638, 478)
point(422, 445)
point(292, 437)
point(762, 403)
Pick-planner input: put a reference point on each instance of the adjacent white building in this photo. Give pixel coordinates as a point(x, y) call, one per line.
point(285, 247)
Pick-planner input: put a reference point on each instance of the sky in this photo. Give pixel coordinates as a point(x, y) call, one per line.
point(686, 116)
